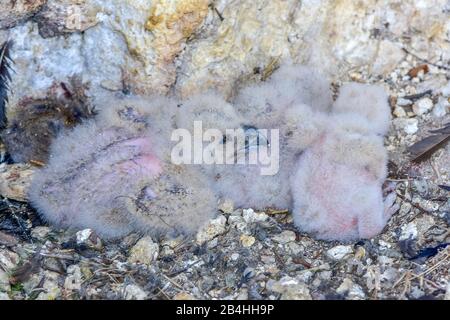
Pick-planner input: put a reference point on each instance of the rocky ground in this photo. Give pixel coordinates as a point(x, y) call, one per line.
point(241, 254)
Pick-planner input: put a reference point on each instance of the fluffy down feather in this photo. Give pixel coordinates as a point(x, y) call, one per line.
point(211, 109)
point(266, 102)
point(370, 101)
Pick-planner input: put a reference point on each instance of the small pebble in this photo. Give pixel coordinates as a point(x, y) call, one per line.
point(145, 251)
point(289, 288)
point(411, 126)
point(89, 238)
point(339, 252)
point(247, 241)
point(422, 106)
point(234, 256)
point(226, 206)
point(183, 296)
point(285, 237)
point(8, 259)
point(251, 216)
point(399, 112)
point(403, 102)
point(40, 232)
point(74, 279)
point(214, 228)
point(134, 292)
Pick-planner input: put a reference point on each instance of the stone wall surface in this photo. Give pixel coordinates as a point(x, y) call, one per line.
point(186, 46)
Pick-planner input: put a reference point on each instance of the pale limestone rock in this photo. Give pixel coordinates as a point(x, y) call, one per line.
point(422, 106)
point(290, 288)
point(409, 126)
point(155, 32)
point(134, 292)
point(66, 16)
point(334, 36)
point(226, 206)
point(214, 228)
point(89, 238)
point(145, 251)
point(39, 63)
point(285, 237)
point(15, 12)
point(441, 108)
point(399, 112)
point(339, 252)
point(156, 46)
point(14, 181)
point(251, 35)
point(388, 56)
point(74, 278)
point(115, 51)
point(250, 216)
point(247, 241)
point(40, 232)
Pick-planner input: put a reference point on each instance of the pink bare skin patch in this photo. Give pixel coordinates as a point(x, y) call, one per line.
point(146, 163)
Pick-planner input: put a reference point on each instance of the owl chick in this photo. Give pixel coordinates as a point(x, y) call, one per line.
point(337, 181)
point(265, 103)
point(113, 175)
point(292, 104)
point(38, 121)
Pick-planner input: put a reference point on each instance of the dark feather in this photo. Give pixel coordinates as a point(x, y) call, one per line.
point(427, 253)
point(444, 187)
point(444, 130)
point(424, 148)
point(5, 78)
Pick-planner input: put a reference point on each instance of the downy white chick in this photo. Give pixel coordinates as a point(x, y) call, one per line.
point(113, 175)
point(337, 182)
point(294, 100)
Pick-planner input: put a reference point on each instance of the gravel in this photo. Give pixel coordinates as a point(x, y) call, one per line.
point(243, 253)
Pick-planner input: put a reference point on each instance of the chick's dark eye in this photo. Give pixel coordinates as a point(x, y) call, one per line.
point(176, 189)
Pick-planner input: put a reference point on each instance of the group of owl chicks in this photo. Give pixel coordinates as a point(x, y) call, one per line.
point(113, 173)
